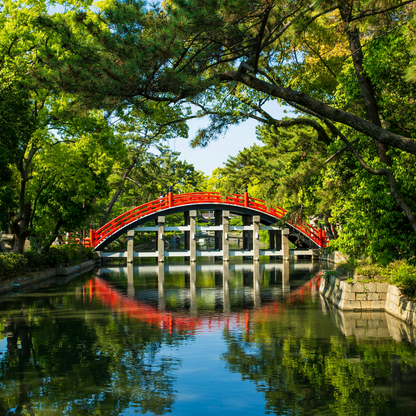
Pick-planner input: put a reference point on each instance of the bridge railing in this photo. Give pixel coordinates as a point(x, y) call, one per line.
point(170, 200)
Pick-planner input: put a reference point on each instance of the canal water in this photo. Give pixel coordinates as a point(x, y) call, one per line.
point(202, 339)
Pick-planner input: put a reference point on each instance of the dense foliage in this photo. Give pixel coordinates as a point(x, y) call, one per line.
point(103, 84)
point(12, 264)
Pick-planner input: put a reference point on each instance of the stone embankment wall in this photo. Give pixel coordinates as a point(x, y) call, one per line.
point(35, 278)
point(359, 296)
point(375, 325)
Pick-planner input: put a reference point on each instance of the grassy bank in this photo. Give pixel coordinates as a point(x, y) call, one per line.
point(401, 273)
point(12, 264)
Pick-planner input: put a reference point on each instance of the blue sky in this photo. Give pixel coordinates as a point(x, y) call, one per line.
point(217, 152)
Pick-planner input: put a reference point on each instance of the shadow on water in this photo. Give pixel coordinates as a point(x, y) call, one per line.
point(200, 338)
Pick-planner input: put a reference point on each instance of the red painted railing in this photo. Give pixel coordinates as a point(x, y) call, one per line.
point(196, 198)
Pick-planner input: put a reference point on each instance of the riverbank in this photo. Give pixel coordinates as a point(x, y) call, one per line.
point(30, 279)
point(364, 296)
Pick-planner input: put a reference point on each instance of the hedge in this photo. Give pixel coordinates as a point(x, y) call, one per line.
point(12, 264)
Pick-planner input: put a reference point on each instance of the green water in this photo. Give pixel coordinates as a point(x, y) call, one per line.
point(200, 340)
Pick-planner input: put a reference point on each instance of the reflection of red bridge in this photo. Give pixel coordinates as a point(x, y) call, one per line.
point(116, 300)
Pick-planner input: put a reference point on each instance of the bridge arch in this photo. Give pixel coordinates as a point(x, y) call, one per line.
point(170, 204)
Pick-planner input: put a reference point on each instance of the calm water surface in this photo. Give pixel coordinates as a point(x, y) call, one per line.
point(202, 339)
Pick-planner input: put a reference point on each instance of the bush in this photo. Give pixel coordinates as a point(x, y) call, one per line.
point(402, 274)
point(35, 259)
point(12, 263)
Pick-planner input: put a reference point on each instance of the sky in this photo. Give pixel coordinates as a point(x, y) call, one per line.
point(217, 152)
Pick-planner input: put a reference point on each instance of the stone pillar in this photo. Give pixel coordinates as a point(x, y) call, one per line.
point(192, 285)
point(285, 276)
point(247, 235)
point(218, 237)
point(285, 243)
point(130, 280)
point(161, 287)
point(161, 239)
point(275, 241)
point(225, 236)
point(130, 246)
point(256, 237)
point(98, 260)
point(192, 236)
point(256, 284)
point(271, 240)
point(186, 235)
point(226, 287)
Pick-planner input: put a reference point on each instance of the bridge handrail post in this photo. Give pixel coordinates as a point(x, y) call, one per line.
point(246, 199)
point(170, 199)
point(93, 234)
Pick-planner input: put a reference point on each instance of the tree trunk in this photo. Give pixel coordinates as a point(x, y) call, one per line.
point(54, 235)
point(19, 226)
point(366, 87)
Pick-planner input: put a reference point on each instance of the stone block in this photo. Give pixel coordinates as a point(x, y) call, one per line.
point(382, 287)
point(347, 305)
point(394, 290)
point(350, 305)
point(360, 296)
point(403, 302)
point(383, 333)
point(349, 296)
point(372, 333)
point(357, 288)
point(359, 332)
point(372, 323)
point(373, 296)
point(349, 332)
point(412, 317)
point(404, 314)
point(394, 299)
point(361, 323)
point(376, 304)
point(382, 323)
point(345, 286)
point(411, 306)
point(382, 295)
point(370, 287)
point(367, 316)
point(366, 304)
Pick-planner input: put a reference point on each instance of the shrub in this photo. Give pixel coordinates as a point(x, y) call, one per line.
point(11, 263)
point(402, 274)
point(35, 259)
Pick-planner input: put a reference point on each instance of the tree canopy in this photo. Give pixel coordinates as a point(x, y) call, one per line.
point(345, 69)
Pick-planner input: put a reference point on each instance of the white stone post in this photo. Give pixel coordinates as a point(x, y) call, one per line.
point(130, 246)
point(256, 237)
point(225, 236)
point(161, 239)
point(285, 243)
point(192, 235)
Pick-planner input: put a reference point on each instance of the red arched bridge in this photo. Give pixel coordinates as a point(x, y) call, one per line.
point(240, 204)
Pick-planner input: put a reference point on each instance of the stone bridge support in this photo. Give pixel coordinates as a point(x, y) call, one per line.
point(251, 228)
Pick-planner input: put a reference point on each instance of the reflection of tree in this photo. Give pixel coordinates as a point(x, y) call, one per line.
point(301, 371)
point(88, 361)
